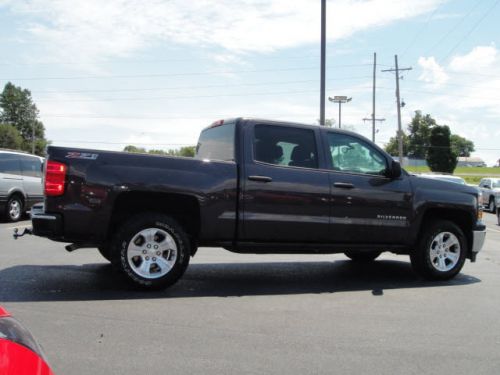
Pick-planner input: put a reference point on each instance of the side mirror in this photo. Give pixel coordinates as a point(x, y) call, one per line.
point(394, 170)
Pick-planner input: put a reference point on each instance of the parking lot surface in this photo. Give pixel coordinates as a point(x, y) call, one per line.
point(255, 314)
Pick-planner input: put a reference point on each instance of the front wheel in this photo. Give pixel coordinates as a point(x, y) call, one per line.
point(492, 206)
point(152, 250)
point(441, 252)
point(363, 256)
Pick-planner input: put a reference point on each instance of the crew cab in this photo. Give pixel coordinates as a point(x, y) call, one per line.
point(256, 186)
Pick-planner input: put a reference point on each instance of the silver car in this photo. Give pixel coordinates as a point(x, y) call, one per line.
point(20, 183)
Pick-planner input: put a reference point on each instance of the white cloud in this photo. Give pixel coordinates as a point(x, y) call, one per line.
point(93, 30)
point(475, 61)
point(432, 73)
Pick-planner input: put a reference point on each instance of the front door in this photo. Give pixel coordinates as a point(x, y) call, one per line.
point(366, 206)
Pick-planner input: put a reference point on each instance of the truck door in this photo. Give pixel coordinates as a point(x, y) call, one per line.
point(366, 206)
point(285, 194)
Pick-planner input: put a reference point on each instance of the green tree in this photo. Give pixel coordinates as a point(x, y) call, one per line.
point(10, 137)
point(461, 146)
point(187, 151)
point(392, 146)
point(419, 131)
point(440, 156)
point(18, 110)
point(134, 149)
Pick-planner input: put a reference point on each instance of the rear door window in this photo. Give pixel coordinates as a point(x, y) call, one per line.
point(285, 146)
point(31, 166)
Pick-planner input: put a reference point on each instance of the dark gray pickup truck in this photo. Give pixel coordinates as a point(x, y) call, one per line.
point(256, 186)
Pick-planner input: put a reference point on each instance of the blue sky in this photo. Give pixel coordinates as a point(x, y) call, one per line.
point(108, 74)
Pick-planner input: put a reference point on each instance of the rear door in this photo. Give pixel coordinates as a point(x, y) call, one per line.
point(285, 194)
point(366, 206)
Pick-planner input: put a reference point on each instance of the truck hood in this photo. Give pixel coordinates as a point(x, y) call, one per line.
point(432, 183)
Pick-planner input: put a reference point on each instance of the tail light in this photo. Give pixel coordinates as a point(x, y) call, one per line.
point(55, 177)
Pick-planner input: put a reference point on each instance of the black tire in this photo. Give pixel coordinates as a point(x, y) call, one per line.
point(491, 206)
point(14, 209)
point(498, 216)
point(363, 256)
point(105, 251)
point(152, 233)
point(433, 261)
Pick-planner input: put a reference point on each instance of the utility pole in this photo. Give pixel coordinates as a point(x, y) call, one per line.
point(33, 137)
point(323, 64)
point(340, 100)
point(373, 99)
point(373, 119)
point(398, 103)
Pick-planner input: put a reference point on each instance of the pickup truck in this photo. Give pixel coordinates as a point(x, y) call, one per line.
point(256, 186)
point(490, 188)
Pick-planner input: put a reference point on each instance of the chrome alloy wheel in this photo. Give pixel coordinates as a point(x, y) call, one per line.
point(445, 251)
point(152, 253)
point(14, 209)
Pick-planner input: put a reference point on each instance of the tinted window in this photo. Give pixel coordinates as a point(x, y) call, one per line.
point(31, 166)
point(216, 143)
point(350, 154)
point(285, 146)
point(9, 163)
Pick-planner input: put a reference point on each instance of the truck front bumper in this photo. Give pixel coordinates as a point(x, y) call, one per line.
point(45, 225)
point(478, 237)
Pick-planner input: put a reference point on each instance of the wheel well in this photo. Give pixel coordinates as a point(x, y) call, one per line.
point(19, 195)
point(460, 218)
point(184, 209)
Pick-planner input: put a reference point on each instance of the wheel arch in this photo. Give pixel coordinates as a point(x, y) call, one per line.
point(183, 208)
point(461, 218)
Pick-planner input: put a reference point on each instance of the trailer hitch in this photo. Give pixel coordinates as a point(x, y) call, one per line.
point(25, 231)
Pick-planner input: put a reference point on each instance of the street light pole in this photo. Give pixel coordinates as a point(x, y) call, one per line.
point(340, 100)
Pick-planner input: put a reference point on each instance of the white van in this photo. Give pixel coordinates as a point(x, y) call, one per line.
point(20, 183)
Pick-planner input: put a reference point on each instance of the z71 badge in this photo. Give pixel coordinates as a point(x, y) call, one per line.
point(81, 155)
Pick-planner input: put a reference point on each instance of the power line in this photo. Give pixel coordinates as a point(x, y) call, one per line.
point(453, 28)
point(472, 29)
point(160, 74)
point(268, 83)
point(419, 32)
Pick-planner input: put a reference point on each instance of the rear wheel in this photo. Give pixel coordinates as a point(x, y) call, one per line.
point(152, 250)
point(498, 215)
point(14, 209)
point(441, 252)
point(363, 256)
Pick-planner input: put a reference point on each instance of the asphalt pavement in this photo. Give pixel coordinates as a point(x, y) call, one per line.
point(255, 314)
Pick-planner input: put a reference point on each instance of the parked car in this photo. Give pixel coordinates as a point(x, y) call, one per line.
point(20, 183)
point(20, 354)
point(444, 177)
point(256, 186)
point(498, 209)
point(491, 190)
